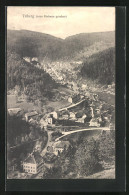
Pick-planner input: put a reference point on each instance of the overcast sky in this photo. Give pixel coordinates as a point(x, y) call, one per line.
point(75, 20)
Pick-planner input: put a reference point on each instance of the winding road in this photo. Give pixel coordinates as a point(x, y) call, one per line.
point(80, 130)
point(72, 106)
point(50, 143)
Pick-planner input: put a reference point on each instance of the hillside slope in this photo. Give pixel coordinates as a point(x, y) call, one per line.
point(80, 41)
point(35, 44)
point(35, 82)
point(100, 66)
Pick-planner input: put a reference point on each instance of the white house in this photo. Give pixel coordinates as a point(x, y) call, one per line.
point(33, 163)
point(84, 86)
point(72, 115)
point(49, 120)
point(34, 59)
point(94, 122)
point(84, 116)
point(13, 111)
point(54, 114)
point(27, 59)
point(70, 100)
point(82, 119)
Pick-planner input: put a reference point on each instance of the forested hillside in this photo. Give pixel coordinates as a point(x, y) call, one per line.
point(94, 50)
point(85, 158)
point(35, 82)
point(83, 40)
point(100, 67)
point(35, 44)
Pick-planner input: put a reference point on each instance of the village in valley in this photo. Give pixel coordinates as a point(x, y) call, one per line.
point(60, 95)
point(71, 112)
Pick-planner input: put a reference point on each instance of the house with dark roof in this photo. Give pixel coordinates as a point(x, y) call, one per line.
point(64, 115)
point(54, 114)
point(60, 146)
point(33, 164)
point(30, 115)
point(79, 114)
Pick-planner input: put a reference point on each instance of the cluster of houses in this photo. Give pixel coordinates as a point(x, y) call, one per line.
point(61, 76)
point(74, 116)
point(34, 162)
point(30, 59)
point(67, 114)
point(34, 61)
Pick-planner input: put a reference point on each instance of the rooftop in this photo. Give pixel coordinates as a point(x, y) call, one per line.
point(62, 144)
point(31, 113)
point(14, 110)
point(33, 158)
point(17, 109)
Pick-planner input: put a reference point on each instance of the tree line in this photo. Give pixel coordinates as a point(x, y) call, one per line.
point(100, 67)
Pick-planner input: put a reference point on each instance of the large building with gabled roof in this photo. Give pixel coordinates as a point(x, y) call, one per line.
point(33, 164)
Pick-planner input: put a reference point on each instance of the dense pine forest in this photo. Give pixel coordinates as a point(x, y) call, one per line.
point(35, 82)
point(100, 67)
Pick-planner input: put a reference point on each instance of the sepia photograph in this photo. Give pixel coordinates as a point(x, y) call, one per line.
point(60, 92)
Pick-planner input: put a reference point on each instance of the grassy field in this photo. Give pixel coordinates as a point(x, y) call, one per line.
point(57, 104)
point(25, 106)
point(29, 106)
